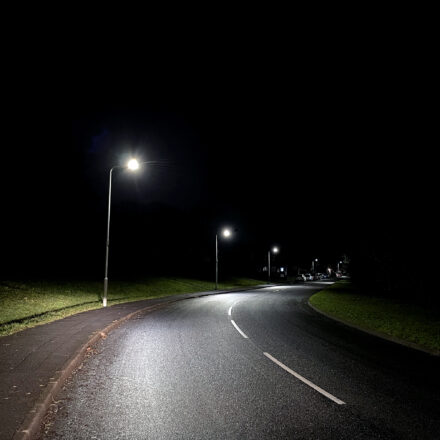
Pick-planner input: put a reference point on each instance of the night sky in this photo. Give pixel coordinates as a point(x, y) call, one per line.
point(317, 164)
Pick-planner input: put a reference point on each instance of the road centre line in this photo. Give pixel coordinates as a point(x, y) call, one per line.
point(285, 367)
point(303, 379)
point(233, 304)
point(238, 329)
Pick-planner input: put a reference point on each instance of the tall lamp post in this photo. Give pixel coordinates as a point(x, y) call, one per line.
point(225, 233)
point(275, 250)
point(132, 165)
point(339, 262)
point(313, 265)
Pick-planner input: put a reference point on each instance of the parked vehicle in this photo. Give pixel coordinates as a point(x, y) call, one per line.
point(309, 277)
point(300, 277)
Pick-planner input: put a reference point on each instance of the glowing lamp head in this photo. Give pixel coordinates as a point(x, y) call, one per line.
point(226, 233)
point(133, 164)
point(275, 250)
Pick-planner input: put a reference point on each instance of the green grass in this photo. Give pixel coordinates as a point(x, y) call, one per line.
point(392, 317)
point(26, 304)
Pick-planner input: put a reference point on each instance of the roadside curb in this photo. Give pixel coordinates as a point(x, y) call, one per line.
point(32, 423)
point(375, 333)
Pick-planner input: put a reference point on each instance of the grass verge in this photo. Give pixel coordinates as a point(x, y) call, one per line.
point(26, 304)
point(398, 319)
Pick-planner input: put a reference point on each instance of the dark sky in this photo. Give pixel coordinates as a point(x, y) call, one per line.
point(316, 163)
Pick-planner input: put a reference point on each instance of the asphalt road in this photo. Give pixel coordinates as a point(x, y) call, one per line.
point(248, 365)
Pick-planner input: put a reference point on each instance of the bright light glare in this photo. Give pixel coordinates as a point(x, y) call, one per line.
point(133, 164)
point(226, 233)
point(275, 250)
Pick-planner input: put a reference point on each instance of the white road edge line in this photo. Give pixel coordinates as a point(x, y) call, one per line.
point(230, 311)
point(238, 329)
point(303, 379)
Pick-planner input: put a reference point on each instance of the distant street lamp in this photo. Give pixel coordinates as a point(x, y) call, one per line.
point(132, 165)
point(275, 250)
point(313, 264)
point(225, 233)
point(339, 262)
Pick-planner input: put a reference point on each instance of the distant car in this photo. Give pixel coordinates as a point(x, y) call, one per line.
point(338, 274)
point(318, 276)
point(309, 277)
point(300, 277)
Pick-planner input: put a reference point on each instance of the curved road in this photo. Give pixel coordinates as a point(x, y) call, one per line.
point(249, 365)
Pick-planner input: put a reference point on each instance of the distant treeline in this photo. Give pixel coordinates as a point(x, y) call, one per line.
point(396, 265)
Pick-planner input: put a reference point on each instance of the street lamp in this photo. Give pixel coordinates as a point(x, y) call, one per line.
point(339, 262)
point(226, 232)
point(275, 250)
point(313, 264)
point(132, 165)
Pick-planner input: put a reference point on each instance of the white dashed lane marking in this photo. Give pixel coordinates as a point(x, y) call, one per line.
point(238, 329)
point(303, 379)
point(286, 368)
